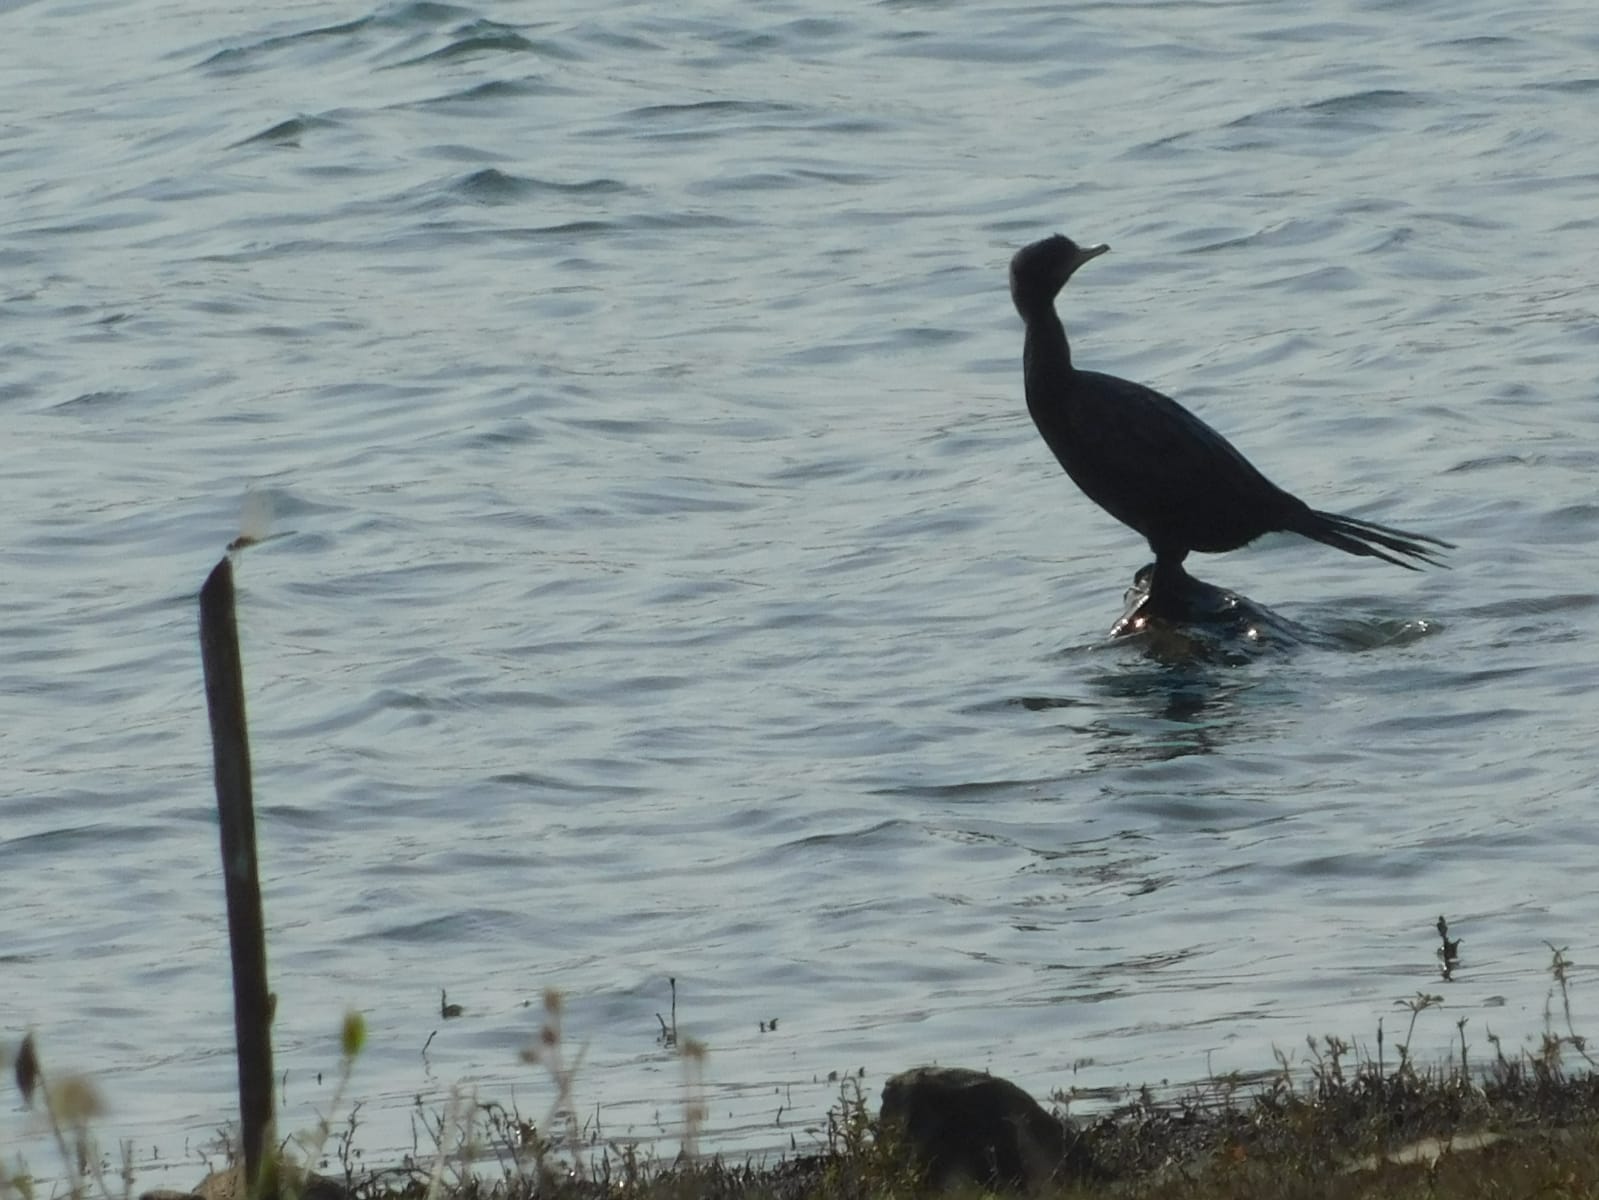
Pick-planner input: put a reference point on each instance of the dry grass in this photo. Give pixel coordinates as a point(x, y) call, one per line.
point(1338, 1124)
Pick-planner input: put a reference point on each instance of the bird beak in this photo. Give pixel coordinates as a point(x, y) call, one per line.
point(1085, 253)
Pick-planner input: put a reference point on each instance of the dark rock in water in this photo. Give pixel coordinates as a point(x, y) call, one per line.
point(962, 1124)
point(1177, 610)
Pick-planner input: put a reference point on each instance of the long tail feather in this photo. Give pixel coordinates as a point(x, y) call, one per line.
point(1372, 540)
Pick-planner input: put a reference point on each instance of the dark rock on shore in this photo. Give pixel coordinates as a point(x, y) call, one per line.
point(228, 1184)
point(968, 1125)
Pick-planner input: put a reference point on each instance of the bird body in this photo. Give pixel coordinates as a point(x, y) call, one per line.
point(1153, 466)
point(1151, 463)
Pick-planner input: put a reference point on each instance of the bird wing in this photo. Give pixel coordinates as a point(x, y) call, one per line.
point(1156, 466)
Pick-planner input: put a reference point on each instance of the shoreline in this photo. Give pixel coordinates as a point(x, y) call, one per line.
point(1342, 1123)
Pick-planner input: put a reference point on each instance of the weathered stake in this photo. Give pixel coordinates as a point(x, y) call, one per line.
point(230, 746)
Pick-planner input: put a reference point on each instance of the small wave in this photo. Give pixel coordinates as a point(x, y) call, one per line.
point(972, 789)
point(1285, 233)
point(684, 220)
point(1375, 100)
point(73, 837)
point(422, 12)
point(493, 186)
point(1340, 111)
point(472, 923)
point(287, 133)
point(759, 181)
point(657, 112)
point(490, 37)
point(1375, 633)
point(1321, 281)
point(1481, 41)
point(1569, 86)
point(832, 353)
point(574, 229)
point(237, 57)
point(864, 836)
point(475, 44)
point(87, 400)
point(493, 90)
point(1489, 461)
point(1523, 606)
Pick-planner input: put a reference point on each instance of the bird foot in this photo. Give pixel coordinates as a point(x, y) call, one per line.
point(1177, 598)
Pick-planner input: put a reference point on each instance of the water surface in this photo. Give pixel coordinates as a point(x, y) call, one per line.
point(672, 586)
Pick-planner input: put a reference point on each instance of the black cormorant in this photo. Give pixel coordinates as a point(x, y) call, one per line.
point(1151, 463)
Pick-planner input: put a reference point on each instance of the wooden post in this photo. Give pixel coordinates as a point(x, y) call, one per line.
point(230, 747)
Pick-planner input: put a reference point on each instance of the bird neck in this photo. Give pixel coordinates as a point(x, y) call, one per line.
point(1045, 347)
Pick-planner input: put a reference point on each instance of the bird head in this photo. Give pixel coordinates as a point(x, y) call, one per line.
point(1038, 272)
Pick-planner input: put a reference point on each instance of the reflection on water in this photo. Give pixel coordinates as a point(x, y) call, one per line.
point(1145, 707)
point(1161, 711)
